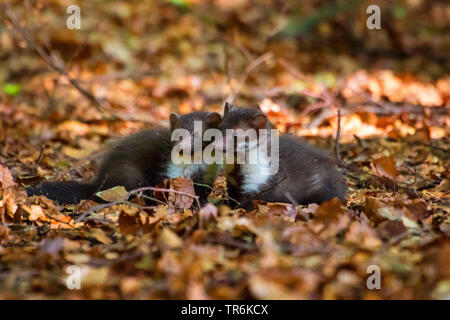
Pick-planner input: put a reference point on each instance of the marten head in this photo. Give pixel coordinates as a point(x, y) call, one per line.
point(187, 130)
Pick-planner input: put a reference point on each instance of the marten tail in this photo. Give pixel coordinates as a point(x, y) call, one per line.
point(66, 192)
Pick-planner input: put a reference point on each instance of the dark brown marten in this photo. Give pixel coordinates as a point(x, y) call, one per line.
point(142, 159)
point(306, 174)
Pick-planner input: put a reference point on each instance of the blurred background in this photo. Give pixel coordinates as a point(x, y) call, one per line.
point(145, 58)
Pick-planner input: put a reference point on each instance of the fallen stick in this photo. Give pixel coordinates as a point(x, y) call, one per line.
point(133, 192)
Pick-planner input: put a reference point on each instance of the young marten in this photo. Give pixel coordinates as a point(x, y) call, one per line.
point(305, 174)
point(139, 160)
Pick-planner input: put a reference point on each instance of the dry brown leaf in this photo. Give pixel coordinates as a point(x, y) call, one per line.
point(329, 211)
point(169, 240)
point(6, 178)
point(129, 220)
point(416, 209)
point(363, 236)
point(175, 199)
point(36, 213)
point(219, 190)
point(276, 209)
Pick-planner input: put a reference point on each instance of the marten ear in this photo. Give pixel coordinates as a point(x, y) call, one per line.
point(213, 119)
point(259, 121)
point(174, 119)
point(227, 107)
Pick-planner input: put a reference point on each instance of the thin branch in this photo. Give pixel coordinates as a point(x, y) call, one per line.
point(252, 65)
point(338, 137)
point(227, 197)
point(133, 192)
point(41, 154)
point(138, 190)
point(267, 189)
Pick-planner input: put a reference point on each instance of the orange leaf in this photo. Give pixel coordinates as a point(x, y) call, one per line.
point(114, 194)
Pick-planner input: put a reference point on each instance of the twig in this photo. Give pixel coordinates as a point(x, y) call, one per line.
point(326, 99)
point(429, 146)
point(41, 154)
point(3, 214)
point(229, 241)
point(375, 180)
point(292, 70)
point(60, 221)
point(313, 107)
point(209, 187)
point(267, 189)
point(102, 206)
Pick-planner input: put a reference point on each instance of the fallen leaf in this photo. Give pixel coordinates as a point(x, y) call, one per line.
point(100, 236)
point(390, 229)
point(6, 178)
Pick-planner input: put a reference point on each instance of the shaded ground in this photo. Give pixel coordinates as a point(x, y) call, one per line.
point(137, 62)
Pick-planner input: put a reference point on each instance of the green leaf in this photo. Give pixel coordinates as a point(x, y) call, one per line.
point(399, 12)
point(11, 89)
point(180, 3)
point(298, 25)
